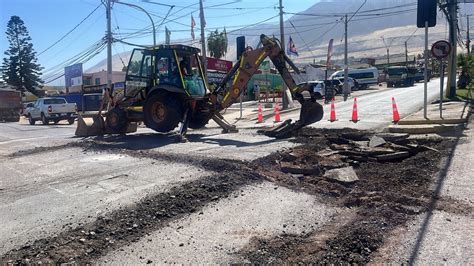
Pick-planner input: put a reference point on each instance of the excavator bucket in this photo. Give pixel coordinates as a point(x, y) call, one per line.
point(311, 112)
point(90, 126)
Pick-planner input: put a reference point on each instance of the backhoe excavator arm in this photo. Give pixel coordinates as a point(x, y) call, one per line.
point(225, 95)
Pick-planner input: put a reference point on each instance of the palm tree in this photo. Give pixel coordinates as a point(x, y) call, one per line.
point(217, 43)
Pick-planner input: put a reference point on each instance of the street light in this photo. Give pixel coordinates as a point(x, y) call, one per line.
point(388, 48)
point(143, 10)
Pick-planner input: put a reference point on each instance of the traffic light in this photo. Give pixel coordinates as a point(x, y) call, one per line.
point(426, 12)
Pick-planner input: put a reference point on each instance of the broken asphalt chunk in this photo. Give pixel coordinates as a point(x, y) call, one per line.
point(343, 175)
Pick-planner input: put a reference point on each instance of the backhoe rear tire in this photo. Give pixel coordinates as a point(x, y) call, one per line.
point(163, 112)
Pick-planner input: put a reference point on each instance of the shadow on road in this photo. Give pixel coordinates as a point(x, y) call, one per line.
point(434, 200)
point(146, 141)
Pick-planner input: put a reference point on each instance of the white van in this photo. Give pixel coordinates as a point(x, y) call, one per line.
point(364, 76)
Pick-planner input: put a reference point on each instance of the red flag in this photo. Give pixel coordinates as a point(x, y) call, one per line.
point(291, 49)
point(193, 24)
point(328, 62)
point(201, 16)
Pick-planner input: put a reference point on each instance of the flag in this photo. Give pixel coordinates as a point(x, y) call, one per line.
point(291, 49)
point(193, 24)
point(328, 62)
point(167, 35)
point(201, 16)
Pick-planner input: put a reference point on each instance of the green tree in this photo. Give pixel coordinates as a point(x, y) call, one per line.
point(20, 67)
point(217, 43)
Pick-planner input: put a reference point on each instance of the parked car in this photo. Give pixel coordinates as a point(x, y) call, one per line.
point(364, 76)
point(420, 74)
point(51, 109)
point(317, 87)
point(352, 83)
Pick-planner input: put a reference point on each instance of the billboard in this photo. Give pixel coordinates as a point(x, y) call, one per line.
point(73, 75)
point(218, 69)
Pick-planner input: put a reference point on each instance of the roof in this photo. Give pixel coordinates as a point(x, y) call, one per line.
point(179, 47)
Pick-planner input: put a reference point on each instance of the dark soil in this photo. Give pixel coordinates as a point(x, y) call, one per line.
point(387, 195)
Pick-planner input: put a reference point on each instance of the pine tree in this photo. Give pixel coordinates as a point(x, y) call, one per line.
point(20, 67)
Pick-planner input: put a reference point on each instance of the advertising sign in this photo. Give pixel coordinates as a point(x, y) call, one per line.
point(73, 75)
point(218, 64)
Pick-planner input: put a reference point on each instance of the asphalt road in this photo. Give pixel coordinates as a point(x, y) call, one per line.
point(374, 107)
point(43, 192)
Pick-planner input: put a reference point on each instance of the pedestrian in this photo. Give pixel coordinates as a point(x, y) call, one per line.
point(257, 92)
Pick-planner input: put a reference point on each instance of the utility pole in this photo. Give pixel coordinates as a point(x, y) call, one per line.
point(203, 40)
point(453, 37)
point(345, 89)
point(406, 53)
point(468, 42)
point(282, 42)
point(109, 46)
point(388, 57)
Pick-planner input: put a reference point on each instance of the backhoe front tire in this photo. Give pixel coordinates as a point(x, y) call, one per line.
point(116, 120)
point(163, 112)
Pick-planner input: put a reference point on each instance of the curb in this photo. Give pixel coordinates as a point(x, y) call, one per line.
point(433, 121)
point(425, 129)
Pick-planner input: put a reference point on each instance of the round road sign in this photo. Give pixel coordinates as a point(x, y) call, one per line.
point(441, 49)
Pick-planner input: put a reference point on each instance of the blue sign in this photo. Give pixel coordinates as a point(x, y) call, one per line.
point(73, 75)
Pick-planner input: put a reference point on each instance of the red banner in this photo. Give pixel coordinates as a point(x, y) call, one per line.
point(328, 61)
point(219, 65)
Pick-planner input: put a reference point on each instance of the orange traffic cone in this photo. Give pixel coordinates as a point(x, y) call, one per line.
point(396, 115)
point(332, 116)
point(260, 114)
point(355, 116)
point(277, 113)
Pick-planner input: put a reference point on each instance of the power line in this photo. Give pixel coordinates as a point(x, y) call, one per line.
point(65, 35)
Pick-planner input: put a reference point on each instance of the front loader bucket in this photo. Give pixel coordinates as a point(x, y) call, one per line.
point(90, 126)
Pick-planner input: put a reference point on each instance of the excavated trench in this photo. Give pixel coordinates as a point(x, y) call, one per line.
point(394, 183)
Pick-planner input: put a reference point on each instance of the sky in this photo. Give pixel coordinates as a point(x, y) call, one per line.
point(48, 20)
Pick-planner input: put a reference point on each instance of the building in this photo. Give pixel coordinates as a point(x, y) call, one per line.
point(95, 82)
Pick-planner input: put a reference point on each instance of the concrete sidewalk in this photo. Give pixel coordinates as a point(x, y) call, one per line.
point(454, 116)
point(440, 236)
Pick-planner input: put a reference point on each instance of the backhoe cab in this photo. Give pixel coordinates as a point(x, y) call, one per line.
point(165, 85)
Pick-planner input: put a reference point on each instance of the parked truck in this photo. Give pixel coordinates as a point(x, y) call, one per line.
point(51, 109)
point(400, 76)
point(10, 105)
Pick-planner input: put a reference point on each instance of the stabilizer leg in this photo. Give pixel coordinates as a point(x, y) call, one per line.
point(226, 127)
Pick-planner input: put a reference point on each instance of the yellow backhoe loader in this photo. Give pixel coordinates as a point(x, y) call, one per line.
point(165, 85)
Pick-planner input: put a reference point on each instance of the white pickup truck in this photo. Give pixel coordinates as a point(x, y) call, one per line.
point(51, 109)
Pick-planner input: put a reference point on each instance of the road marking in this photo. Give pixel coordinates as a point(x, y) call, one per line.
point(57, 190)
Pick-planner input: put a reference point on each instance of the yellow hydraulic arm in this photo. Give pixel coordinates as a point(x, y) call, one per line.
point(225, 95)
